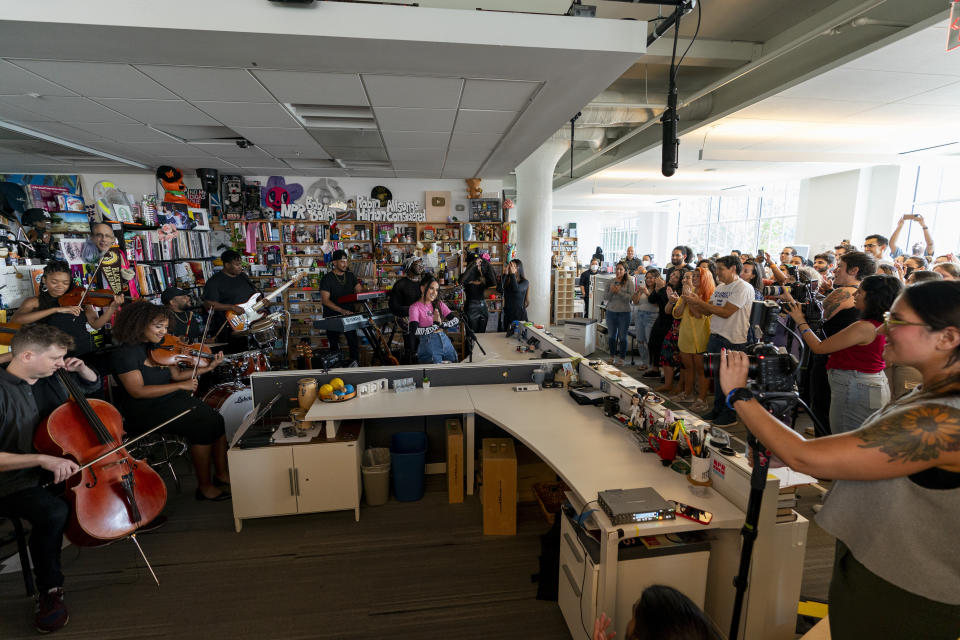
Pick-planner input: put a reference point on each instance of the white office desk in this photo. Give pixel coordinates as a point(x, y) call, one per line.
point(388, 404)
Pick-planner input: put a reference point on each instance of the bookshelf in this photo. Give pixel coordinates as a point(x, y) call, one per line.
point(564, 285)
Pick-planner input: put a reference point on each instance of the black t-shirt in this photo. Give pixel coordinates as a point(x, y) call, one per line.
point(133, 357)
point(632, 264)
point(193, 331)
point(404, 293)
point(840, 321)
point(73, 326)
point(669, 270)
point(585, 282)
point(338, 286)
point(475, 292)
point(228, 290)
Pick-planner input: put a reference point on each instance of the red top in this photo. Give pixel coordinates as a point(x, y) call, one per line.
point(865, 358)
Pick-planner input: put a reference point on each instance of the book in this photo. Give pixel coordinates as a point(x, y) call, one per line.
point(789, 517)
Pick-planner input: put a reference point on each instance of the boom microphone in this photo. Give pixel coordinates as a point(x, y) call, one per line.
point(671, 146)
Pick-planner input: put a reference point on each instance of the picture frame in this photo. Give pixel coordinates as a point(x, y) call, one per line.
point(123, 213)
point(201, 219)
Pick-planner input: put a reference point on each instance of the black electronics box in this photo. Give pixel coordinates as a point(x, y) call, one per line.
point(592, 396)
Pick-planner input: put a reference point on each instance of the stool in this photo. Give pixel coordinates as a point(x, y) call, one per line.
point(160, 450)
point(24, 555)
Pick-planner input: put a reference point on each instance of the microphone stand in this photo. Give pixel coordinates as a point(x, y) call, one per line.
point(470, 335)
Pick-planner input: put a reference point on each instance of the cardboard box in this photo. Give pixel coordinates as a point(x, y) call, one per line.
point(498, 492)
point(455, 471)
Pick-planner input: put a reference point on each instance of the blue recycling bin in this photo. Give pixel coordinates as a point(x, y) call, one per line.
point(408, 453)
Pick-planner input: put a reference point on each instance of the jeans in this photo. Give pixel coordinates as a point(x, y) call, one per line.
point(47, 515)
point(855, 395)
point(353, 343)
point(642, 326)
point(720, 408)
point(435, 348)
point(617, 324)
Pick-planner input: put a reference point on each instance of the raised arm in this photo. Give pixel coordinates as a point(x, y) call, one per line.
point(28, 313)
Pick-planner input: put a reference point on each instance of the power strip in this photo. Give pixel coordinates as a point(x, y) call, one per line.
point(527, 387)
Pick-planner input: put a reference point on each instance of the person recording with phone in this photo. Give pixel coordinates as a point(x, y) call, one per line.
point(895, 251)
point(896, 478)
point(477, 278)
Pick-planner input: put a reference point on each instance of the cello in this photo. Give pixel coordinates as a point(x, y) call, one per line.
point(113, 494)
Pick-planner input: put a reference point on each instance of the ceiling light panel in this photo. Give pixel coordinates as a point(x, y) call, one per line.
point(411, 91)
point(407, 119)
point(322, 116)
point(17, 81)
point(471, 121)
point(349, 154)
point(98, 79)
point(342, 89)
point(248, 114)
point(67, 109)
point(275, 136)
point(500, 95)
point(312, 163)
point(159, 111)
point(209, 83)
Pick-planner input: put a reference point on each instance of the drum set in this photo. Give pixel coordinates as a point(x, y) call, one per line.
point(230, 394)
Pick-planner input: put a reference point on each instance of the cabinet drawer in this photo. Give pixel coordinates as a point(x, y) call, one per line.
point(262, 482)
point(577, 597)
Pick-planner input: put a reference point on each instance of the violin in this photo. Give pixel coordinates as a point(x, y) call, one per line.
point(173, 351)
point(96, 297)
point(7, 331)
point(114, 494)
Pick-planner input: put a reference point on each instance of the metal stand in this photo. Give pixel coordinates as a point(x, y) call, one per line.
point(470, 336)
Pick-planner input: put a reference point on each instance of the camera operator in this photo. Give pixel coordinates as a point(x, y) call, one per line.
point(895, 575)
point(730, 306)
point(858, 386)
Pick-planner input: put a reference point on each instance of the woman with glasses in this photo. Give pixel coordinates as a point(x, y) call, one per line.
point(894, 503)
point(858, 386)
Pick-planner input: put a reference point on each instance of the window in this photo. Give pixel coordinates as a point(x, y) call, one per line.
point(630, 232)
point(937, 198)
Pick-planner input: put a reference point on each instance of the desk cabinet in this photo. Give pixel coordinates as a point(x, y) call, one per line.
point(302, 478)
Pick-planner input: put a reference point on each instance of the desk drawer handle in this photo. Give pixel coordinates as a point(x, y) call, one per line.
point(572, 581)
point(576, 553)
point(290, 473)
point(296, 479)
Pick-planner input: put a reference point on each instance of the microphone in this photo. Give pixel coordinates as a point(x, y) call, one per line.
point(671, 146)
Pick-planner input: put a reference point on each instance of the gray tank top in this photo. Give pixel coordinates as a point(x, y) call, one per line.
point(899, 530)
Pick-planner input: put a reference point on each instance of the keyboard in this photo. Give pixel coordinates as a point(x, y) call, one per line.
point(360, 297)
point(352, 322)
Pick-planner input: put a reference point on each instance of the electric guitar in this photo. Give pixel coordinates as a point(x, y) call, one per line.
point(255, 306)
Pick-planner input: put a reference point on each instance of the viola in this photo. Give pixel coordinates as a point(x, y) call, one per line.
point(7, 331)
point(96, 297)
point(173, 351)
point(114, 494)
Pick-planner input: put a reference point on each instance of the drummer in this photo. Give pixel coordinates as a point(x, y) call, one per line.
point(186, 323)
point(225, 291)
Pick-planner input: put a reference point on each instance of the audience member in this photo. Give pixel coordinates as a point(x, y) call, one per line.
point(662, 613)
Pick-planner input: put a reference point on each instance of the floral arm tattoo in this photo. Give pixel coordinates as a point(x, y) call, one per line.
point(915, 433)
point(834, 301)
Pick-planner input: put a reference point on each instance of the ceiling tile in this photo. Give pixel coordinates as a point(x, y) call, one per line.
point(400, 119)
point(460, 170)
point(899, 112)
point(66, 109)
point(15, 114)
point(197, 132)
point(417, 174)
point(475, 140)
point(243, 157)
point(98, 79)
point(424, 164)
point(421, 139)
point(346, 137)
point(500, 95)
point(920, 51)
point(16, 81)
point(167, 149)
point(209, 83)
point(944, 96)
point(125, 133)
point(276, 136)
point(334, 89)
point(159, 111)
point(471, 121)
point(372, 173)
point(295, 151)
point(866, 85)
point(401, 153)
point(249, 114)
point(467, 156)
point(803, 109)
point(320, 164)
point(67, 132)
point(261, 163)
point(350, 153)
point(411, 91)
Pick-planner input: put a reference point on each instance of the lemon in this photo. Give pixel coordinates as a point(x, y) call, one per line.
point(336, 383)
point(326, 391)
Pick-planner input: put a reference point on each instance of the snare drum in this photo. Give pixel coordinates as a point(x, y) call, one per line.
point(264, 330)
point(249, 362)
point(233, 401)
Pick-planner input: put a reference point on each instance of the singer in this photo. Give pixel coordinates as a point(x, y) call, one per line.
point(429, 320)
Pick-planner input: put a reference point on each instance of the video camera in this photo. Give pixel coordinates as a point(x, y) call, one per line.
point(770, 369)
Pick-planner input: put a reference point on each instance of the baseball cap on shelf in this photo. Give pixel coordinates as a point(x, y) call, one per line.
point(172, 292)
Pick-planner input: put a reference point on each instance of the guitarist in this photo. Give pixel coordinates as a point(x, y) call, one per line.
point(337, 283)
point(224, 291)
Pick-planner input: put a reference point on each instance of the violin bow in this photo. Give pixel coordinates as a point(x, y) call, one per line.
point(206, 329)
point(93, 275)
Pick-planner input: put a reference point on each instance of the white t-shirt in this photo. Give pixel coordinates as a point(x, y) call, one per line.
point(740, 294)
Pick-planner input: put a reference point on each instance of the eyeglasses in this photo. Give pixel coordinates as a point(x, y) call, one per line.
point(889, 321)
point(870, 245)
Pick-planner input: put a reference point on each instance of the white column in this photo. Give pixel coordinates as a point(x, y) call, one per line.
point(534, 222)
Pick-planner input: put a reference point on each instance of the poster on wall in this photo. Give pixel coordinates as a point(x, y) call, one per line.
point(437, 205)
point(70, 183)
point(176, 214)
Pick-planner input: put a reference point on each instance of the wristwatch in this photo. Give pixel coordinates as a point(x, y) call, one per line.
point(740, 393)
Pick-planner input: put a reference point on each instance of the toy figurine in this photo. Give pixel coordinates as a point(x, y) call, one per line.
point(174, 190)
point(636, 412)
point(473, 188)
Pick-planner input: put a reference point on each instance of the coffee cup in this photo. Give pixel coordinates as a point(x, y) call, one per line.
point(699, 471)
point(665, 447)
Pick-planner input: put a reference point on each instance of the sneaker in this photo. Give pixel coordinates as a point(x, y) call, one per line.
point(700, 405)
point(725, 421)
point(652, 373)
point(51, 613)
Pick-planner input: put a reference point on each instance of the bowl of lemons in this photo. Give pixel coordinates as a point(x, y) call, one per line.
point(336, 391)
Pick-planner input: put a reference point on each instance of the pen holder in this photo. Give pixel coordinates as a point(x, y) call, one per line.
point(700, 471)
point(665, 447)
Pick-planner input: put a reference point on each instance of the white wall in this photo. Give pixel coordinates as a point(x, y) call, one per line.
point(590, 224)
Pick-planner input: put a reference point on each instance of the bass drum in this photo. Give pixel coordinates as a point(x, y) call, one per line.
point(234, 402)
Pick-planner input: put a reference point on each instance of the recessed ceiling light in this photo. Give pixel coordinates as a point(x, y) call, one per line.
point(710, 169)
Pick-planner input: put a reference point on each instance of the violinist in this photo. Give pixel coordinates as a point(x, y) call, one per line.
point(186, 323)
point(28, 393)
point(155, 393)
point(73, 320)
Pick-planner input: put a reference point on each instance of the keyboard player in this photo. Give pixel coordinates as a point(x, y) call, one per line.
point(337, 283)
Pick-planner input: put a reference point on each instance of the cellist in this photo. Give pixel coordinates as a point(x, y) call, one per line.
point(28, 393)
